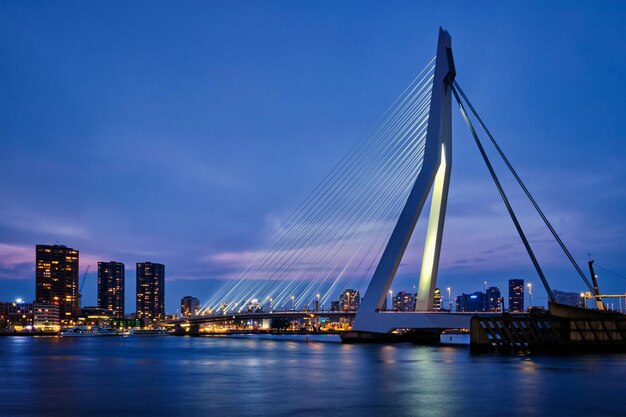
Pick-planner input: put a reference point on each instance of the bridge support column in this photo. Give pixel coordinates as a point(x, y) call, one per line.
point(435, 171)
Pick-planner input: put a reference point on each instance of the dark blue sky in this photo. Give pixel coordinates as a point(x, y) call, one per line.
point(182, 132)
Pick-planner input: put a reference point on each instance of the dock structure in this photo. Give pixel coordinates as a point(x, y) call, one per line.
point(563, 328)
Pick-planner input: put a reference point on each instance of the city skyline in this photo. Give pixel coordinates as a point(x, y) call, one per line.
point(111, 289)
point(309, 208)
point(217, 191)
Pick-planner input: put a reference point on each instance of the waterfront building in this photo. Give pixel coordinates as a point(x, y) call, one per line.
point(568, 298)
point(189, 306)
point(150, 291)
point(494, 299)
point(471, 302)
point(437, 300)
point(46, 316)
point(350, 300)
point(516, 295)
point(57, 280)
point(16, 314)
point(111, 287)
point(404, 301)
point(125, 323)
point(96, 316)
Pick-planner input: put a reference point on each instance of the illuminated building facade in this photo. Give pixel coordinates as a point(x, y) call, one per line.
point(125, 323)
point(16, 314)
point(350, 300)
point(516, 295)
point(57, 280)
point(46, 316)
point(95, 316)
point(437, 300)
point(404, 301)
point(150, 291)
point(494, 299)
point(111, 287)
point(189, 306)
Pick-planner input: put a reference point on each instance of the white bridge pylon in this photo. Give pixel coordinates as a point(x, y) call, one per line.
point(435, 176)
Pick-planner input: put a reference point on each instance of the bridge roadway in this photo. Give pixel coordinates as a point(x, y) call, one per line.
point(440, 320)
point(289, 314)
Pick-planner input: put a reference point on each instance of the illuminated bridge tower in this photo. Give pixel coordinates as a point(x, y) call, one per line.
point(435, 175)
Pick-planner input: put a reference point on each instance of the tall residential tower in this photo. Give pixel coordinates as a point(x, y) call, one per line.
point(111, 287)
point(150, 291)
point(57, 280)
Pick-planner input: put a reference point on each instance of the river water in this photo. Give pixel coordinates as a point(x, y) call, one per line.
point(272, 376)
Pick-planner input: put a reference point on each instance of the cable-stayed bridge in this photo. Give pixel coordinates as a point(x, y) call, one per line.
point(353, 229)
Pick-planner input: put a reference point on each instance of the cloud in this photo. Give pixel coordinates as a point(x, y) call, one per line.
point(12, 256)
point(234, 259)
point(26, 221)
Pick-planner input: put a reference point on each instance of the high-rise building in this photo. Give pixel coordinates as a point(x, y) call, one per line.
point(111, 287)
point(437, 300)
point(404, 301)
point(350, 300)
point(516, 295)
point(150, 291)
point(57, 280)
point(494, 299)
point(471, 302)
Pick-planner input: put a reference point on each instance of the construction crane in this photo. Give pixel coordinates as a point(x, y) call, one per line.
point(80, 289)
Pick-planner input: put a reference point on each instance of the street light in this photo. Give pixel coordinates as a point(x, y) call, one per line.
point(449, 298)
point(391, 299)
point(530, 294)
point(318, 301)
point(293, 307)
point(485, 296)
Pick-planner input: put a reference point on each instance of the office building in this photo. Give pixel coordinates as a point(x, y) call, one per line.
point(516, 295)
point(150, 291)
point(96, 316)
point(57, 280)
point(494, 299)
point(46, 317)
point(404, 301)
point(475, 302)
point(111, 287)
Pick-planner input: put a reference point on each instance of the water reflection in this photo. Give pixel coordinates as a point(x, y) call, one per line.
point(171, 376)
